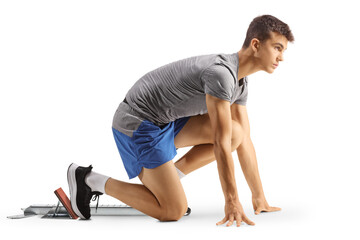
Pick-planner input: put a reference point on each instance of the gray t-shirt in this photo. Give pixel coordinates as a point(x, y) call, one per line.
point(178, 90)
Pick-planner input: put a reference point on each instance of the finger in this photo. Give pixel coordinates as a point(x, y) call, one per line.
point(259, 210)
point(238, 220)
point(248, 221)
point(274, 209)
point(222, 221)
point(271, 209)
point(231, 221)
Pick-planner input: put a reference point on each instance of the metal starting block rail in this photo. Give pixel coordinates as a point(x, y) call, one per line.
point(58, 211)
point(65, 212)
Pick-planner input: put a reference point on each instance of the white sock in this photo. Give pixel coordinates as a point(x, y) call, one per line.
point(96, 181)
point(180, 173)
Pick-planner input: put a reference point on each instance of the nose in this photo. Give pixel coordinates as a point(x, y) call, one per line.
point(280, 57)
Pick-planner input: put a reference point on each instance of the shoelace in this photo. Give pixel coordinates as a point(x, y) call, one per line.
point(96, 197)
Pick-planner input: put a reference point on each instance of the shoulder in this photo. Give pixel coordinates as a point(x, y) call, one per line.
point(218, 82)
point(220, 73)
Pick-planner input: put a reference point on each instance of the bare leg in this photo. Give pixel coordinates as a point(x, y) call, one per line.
point(197, 131)
point(197, 157)
point(162, 195)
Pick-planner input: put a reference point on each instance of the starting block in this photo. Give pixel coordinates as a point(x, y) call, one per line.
point(61, 195)
point(65, 211)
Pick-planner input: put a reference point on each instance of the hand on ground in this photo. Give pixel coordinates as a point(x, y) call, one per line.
point(234, 212)
point(261, 205)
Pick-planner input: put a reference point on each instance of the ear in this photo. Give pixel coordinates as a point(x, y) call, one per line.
point(255, 44)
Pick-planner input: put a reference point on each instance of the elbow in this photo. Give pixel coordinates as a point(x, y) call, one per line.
point(231, 143)
point(222, 144)
point(240, 134)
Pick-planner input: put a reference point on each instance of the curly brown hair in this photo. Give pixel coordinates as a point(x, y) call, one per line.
point(261, 27)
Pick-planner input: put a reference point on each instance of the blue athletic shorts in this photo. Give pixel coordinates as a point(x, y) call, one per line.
point(149, 147)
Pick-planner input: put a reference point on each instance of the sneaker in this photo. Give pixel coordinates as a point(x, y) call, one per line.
point(80, 192)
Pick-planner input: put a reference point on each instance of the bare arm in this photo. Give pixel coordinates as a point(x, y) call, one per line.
point(247, 157)
point(249, 166)
point(246, 151)
point(220, 118)
point(221, 122)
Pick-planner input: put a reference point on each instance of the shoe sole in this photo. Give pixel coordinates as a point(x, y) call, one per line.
point(73, 188)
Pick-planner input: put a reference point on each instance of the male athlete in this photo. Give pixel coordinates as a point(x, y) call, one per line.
point(200, 102)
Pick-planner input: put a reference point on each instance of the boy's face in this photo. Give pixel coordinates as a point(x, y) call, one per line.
point(270, 52)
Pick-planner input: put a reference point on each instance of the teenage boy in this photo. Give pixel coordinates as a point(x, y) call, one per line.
point(200, 102)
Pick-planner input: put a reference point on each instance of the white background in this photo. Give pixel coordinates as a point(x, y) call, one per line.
point(66, 65)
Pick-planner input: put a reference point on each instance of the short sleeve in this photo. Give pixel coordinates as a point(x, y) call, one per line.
point(242, 99)
point(218, 82)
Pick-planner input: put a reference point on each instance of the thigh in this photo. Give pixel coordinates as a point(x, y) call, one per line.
point(163, 181)
point(196, 131)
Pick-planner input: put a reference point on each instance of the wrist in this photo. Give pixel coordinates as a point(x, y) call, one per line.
point(258, 195)
point(231, 199)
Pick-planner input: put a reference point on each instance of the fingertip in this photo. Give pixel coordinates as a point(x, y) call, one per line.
point(274, 209)
point(249, 222)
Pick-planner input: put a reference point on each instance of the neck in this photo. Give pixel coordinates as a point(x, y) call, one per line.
point(247, 63)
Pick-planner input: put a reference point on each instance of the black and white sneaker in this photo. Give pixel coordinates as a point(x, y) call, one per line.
point(80, 192)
